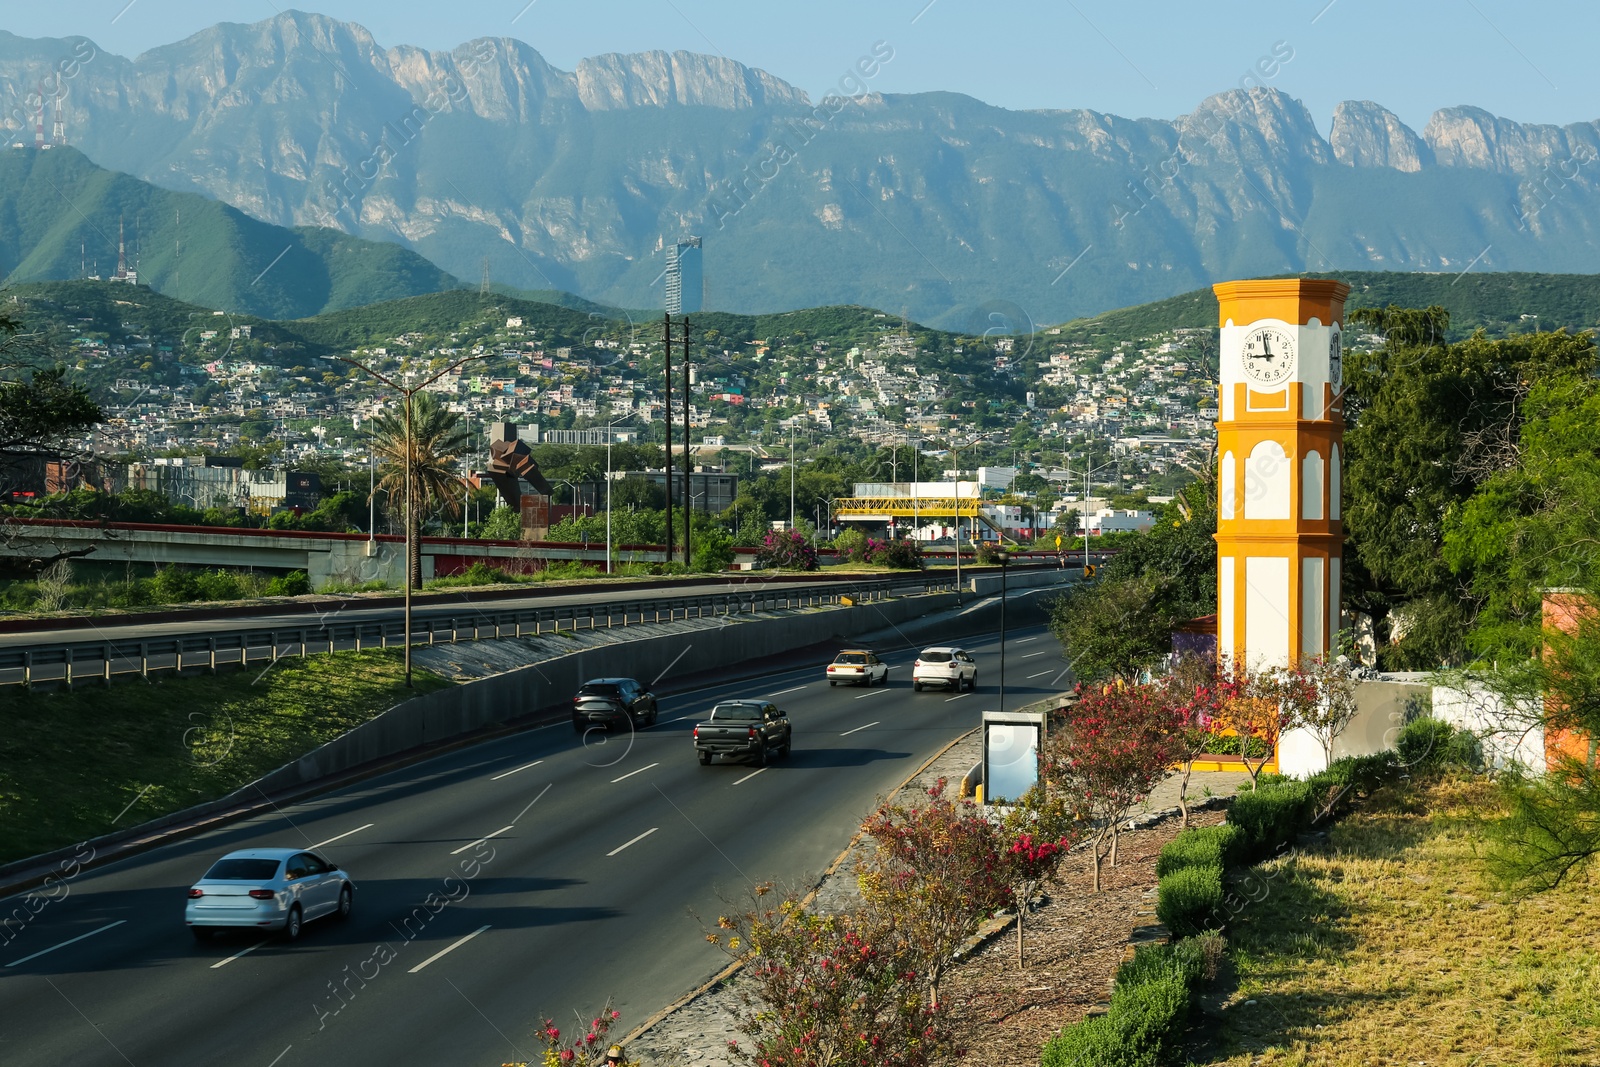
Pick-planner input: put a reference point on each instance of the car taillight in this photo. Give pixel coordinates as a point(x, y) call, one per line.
point(918, 663)
point(262, 894)
point(752, 733)
point(830, 668)
point(195, 894)
point(697, 733)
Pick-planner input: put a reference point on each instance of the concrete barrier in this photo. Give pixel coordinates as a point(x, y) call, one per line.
point(474, 706)
point(989, 584)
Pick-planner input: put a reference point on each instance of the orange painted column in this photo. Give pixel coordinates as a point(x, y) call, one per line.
point(1280, 429)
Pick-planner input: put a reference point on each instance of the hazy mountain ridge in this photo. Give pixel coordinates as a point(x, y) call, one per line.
point(933, 203)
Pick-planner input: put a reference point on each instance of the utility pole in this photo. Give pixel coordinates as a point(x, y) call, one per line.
point(666, 339)
point(688, 465)
point(791, 477)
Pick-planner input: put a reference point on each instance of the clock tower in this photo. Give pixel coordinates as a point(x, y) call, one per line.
point(1279, 430)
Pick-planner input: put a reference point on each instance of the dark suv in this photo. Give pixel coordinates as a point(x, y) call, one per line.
point(613, 702)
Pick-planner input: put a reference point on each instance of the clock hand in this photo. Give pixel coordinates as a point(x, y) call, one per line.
point(1266, 352)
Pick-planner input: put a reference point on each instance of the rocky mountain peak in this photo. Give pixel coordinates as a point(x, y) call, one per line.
point(685, 79)
point(1366, 134)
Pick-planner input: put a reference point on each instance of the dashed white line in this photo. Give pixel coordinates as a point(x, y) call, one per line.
point(949, 699)
point(1041, 674)
point(749, 776)
point(635, 841)
point(481, 840)
point(630, 774)
point(514, 770)
point(281, 1055)
point(344, 835)
point(448, 949)
point(1030, 655)
point(858, 729)
point(684, 718)
point(241, 952)
point(1024, 640)
point(782, 692)
point(64, 944)
point(875, 692)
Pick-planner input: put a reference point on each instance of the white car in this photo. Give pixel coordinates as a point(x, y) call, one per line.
point(946, 667)
point(858, 666)
point(267, 889)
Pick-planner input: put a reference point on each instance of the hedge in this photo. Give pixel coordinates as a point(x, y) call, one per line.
point(1202, 846)
point(1190, 901)
point(1140, 1029)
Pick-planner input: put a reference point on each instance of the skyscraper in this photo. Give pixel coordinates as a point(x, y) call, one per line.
point(685, 283)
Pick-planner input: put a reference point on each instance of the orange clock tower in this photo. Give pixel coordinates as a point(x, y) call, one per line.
point(1279, 431)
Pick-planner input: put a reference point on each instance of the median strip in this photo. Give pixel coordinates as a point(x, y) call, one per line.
point(241, 952)
point(630, 774)
point(64, 944)
point(481, 840)
point(858, 729)
point(635, 841)
point(449, 949)
point(344, 835)
point(514, 770)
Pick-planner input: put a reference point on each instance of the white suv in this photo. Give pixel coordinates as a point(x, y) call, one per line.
point(946, 667)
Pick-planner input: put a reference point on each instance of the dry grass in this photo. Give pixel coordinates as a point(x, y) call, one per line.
point(1386, 944)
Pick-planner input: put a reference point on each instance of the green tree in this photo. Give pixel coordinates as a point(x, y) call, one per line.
point(437, 440)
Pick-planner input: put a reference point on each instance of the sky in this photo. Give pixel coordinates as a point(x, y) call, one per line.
point(1520, 59)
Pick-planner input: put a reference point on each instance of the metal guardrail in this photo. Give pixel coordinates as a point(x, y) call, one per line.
point(71, 663)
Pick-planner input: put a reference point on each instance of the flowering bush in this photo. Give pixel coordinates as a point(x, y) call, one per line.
point(1030, 861)
point(904, 554)
point(586, 1049)
point(790, 551)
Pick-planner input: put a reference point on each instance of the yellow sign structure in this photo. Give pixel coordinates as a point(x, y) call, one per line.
point(1279, 431)
point(906, 507)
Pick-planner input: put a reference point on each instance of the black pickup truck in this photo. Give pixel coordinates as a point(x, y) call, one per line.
point(754, 728)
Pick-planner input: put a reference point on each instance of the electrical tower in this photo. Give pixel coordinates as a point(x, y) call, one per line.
point(483, 286)
point(58, 131)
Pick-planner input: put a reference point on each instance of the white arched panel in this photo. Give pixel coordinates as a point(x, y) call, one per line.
point(1267, 482)
point(1333, 484)
point(1311, 486)
point(1228, 487)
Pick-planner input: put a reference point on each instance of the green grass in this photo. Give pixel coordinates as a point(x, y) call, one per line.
point(80, 763)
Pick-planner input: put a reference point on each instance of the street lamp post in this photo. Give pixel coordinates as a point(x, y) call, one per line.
point(1004, 557)
point(407, 393)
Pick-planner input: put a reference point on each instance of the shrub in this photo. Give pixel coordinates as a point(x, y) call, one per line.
point(1139, 1030)
point(787, 550)
point(713, 551)
point(851, 545)
point(1429, 744)
point(174, 585)
point(986, 554)
point(217, 585)
point(295, 583)
point(1272, 815)
point(1209, 846)
point(1190, 900)
point(898, 555)
point(1193, 959)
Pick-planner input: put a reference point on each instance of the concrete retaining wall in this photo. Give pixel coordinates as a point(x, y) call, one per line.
point(989, 584)
point(476, 705)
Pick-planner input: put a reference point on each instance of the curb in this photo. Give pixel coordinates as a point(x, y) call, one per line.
point(738, 965)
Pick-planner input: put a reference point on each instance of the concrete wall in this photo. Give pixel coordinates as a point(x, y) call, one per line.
point(1380, 713)
point(466, 708)
point(989, 584)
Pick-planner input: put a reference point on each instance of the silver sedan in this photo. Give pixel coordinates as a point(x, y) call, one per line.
point(267, 889)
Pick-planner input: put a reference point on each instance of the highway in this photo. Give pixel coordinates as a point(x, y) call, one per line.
point(524, 878)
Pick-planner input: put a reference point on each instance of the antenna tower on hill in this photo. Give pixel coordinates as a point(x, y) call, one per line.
point(38, 136)
point(483, 286)
point(58, 132)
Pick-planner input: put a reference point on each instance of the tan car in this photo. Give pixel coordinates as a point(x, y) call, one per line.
point(858, 666)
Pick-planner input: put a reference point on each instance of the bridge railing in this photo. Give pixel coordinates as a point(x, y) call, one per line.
point(72, 663)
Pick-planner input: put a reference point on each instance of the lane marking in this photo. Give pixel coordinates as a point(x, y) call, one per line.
point(1025, 640)
point(449, 949)
point(344, 835)
point(630, 774)
point(949, 699)
point(546, 726)
point(241, 952)
point(874, 693)
point(281, 1055)
point(858, 729)
point(481, 840)
point(635, 841)
point(684, 718)
point(749, 776)
point(64, 944)
point(1030, 655)
point(514, 770)
point(782, 692)
point(1041, 674)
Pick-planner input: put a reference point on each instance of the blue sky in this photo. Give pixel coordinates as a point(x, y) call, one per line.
point(1523, 60)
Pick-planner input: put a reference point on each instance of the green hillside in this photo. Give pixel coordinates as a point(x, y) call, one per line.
point(60, 218)
point(1497, 303)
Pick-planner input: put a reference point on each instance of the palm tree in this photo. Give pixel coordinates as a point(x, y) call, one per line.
point(438, 439)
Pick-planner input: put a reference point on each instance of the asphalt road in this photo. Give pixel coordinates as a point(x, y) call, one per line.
point(596, 856)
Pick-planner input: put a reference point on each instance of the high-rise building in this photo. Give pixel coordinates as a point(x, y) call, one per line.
point(685, 281)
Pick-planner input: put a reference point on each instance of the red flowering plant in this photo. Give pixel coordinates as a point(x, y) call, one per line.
point(836, 990)
point(1115, 746)
point(1031, 862)
point(1259, 706)
point(940, 869)
point(584, 1047)
point(788, 550)
point(1197, 692)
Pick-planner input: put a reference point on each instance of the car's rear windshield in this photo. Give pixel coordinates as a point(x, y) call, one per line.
point(598, 691)
point(851, 657)
point(736, 711)
point(937, 655)
point(242, 870)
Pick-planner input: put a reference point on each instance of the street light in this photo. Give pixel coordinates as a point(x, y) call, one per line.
point(1088, 472)
point(1004, 557)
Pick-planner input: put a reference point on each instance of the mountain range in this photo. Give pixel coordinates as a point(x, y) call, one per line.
point(959, 214)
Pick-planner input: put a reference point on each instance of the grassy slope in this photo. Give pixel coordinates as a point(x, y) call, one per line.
point(1386, 945)
point(72, 762)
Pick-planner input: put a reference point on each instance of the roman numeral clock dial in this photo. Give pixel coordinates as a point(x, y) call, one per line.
point(1269, 355)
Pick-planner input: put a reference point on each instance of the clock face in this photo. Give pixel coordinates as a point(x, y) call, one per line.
point(1335, 360)
point(1269, 355)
